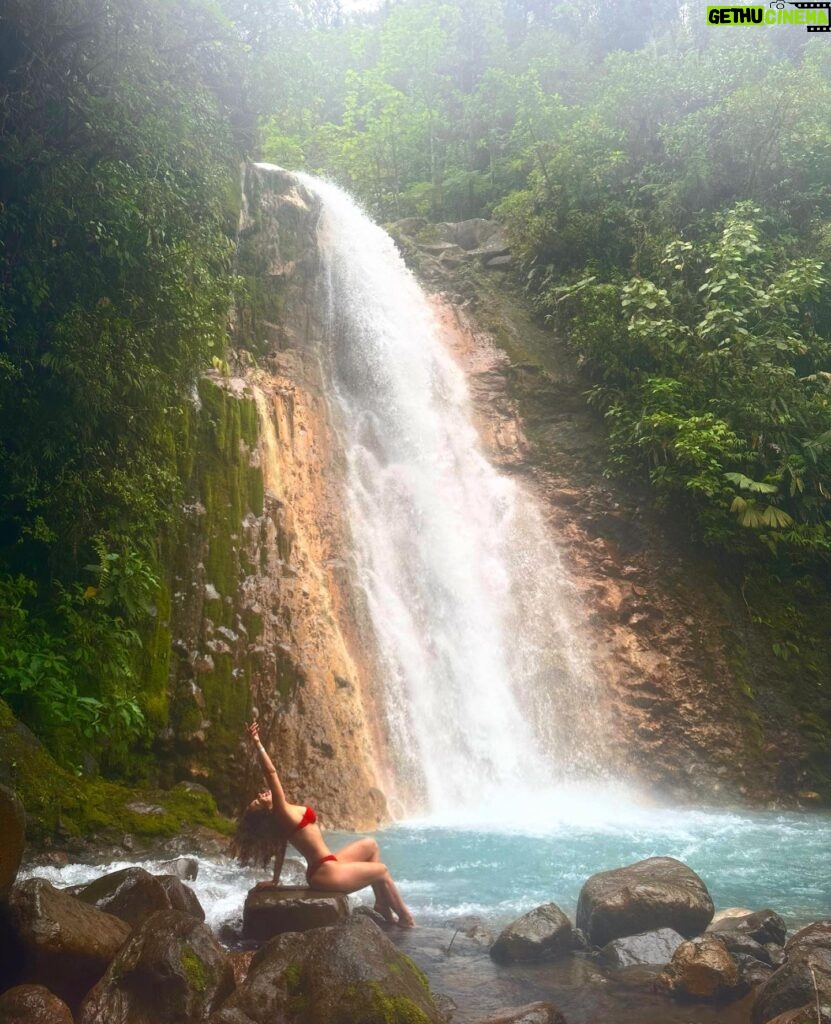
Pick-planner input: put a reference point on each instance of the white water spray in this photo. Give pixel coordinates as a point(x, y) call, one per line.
point(487, 695)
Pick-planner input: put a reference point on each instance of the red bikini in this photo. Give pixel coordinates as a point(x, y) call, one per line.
point(310, 818)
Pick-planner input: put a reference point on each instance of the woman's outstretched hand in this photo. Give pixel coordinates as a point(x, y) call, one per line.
point(254, 731)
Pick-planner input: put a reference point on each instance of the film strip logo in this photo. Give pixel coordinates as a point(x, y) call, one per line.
point(826, 6)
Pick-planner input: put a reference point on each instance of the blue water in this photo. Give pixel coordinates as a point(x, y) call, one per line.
point(752, 859)
point(748, 858)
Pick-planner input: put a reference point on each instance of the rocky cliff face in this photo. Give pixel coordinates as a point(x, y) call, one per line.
point(261, 615)
point(695, 712)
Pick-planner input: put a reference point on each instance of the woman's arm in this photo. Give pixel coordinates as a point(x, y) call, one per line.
point(279, 858)
point(270, 771)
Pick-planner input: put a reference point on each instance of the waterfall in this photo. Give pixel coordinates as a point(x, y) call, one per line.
point(487, 693)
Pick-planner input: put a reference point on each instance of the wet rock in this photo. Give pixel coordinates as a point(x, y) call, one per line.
point(473, 928)
point(762, 926)
point(702, 969)
point(270, 912)
point(542, 934)
point(67, 944)
point(181, 896)
point(186, 868)
point(647, 948)
point(754, 972)
point(12, 838)
point(740, 944)
point(240, 961)
point(808, 1014)
point(531, 1013)
point(33, 1004)
point(660, 892)
point(171, 971)
point(499, 262)
point(131, 894)
point(804, 977)
point(351, 972)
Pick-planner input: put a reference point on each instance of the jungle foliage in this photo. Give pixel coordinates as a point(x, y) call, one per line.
point(121, 129)
point(665, 187)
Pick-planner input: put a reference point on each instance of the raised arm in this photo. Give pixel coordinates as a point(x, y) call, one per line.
point(269, 770)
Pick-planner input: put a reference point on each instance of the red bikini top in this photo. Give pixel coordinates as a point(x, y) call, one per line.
point(309, 818)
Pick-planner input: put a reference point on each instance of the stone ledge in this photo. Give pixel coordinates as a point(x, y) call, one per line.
point(272, 911)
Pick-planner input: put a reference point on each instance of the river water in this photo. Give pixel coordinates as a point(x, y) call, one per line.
point(450, 871)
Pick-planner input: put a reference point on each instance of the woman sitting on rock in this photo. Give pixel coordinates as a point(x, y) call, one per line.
point(270, 822)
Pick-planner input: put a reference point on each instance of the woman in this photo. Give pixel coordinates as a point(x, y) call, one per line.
point(270, 822)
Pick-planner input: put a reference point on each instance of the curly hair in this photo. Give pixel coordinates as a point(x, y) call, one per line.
point(258, 837)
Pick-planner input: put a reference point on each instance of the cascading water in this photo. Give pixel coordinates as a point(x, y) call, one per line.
point(487, 694)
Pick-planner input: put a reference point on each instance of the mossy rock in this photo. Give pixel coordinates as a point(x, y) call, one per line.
point(63, 805)
point(348, 974)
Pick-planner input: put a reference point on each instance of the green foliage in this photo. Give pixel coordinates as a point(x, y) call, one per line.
point(712, 379)
point(118, 169)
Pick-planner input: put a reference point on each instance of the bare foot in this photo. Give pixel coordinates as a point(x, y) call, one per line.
point(405, 921)
point(385, 911)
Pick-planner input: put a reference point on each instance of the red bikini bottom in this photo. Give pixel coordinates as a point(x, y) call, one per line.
point(317, 865)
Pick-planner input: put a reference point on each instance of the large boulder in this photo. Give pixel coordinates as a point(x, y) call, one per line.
point(133, 894)
point(347, 974)
point(33, 1004)
point(530, 1013)
point(66, 944)
point(805, 976)
point(542, 934)
point(763, 926)
point(655, 948)
point(171, 971)
point(270, 912)
point(12, 838)
point(703, 969)
point(660, 892)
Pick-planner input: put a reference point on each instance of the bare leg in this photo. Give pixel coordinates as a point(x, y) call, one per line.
point(340, 876)
point(367, 851)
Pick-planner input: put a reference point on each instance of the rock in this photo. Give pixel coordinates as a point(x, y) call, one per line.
point(131, 894)
point(808, 1014)
point(474, 928)
point(67, 944)
point(12, 838)
point(142, 807)
point(531, 1013)
point(240, 960)
point(740, 944)
point(804, 977)
point(702, 969)
point(181, 896)
point(469, 234)
point(723, 915)
point(33, 1004)
point(542, 934)
point(409, 225)
point(754, 972)
point(499, 262)
point(660, 892)
point(186, 868)
point(647, 948)
point(171, 971)
point(347, 973)
point(762, 926)
point(270, 912)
